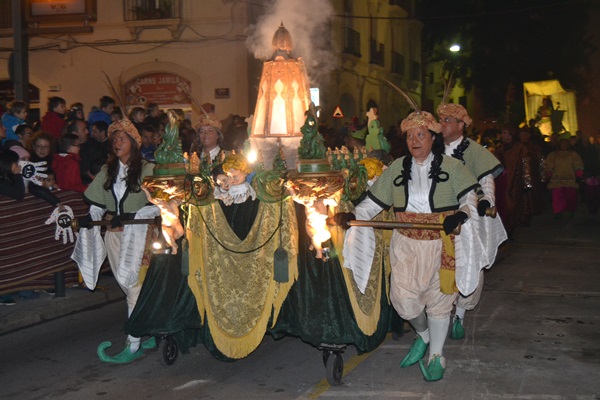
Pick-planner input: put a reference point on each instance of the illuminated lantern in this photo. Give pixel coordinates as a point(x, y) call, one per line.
point(283, 98)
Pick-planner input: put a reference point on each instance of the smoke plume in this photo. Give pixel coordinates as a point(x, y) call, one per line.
point(308, 22)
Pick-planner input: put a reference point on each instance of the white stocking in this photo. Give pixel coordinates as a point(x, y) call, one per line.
point(438, 331)
point(134, 343)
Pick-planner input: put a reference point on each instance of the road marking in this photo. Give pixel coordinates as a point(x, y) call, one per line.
point(323, 386)
point(191, 384)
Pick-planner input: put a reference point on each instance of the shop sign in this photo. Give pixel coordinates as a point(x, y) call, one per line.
point(162, 88)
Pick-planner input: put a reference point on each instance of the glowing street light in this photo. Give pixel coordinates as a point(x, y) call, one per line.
point(455, 48)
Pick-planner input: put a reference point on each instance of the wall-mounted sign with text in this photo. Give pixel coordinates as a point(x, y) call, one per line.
point(222, 93)
point(60, 10)
point(162, 88)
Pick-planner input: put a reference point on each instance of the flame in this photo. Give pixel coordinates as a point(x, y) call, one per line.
point(252, 156)
point(169, 212)
point(316, 226)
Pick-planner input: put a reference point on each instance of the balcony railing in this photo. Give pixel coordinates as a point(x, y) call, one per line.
point(352, 42)
point(377, 51)
point(144, 10)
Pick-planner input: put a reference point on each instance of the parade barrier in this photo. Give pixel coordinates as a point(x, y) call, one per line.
point(32, 257)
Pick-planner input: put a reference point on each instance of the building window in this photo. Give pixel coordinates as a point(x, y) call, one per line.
point(397, 63)
point(415, 71)
point(5, 14)
point(377, 52)
point(351, 42)
point(141, 10)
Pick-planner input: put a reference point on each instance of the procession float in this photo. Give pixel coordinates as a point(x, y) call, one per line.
point(248, 248)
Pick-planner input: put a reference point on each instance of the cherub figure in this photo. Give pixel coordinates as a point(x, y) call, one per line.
point(169, 212)
point(231, 184)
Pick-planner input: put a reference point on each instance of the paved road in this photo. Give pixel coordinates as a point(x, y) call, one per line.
point(535, 335)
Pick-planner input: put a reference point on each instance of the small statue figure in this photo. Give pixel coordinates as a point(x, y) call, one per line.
point(169, 151)
point(375, 140)
point(312, 145)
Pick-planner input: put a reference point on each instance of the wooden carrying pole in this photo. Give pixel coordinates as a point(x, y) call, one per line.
point(152, 221)
point(399, 225)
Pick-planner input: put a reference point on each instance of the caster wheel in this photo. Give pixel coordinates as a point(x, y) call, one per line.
point(168, 350)
point(335, 369)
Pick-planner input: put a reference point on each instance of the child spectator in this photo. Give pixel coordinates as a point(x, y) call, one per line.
point(137, 115)
point(15, 116)
point(76, 112)
point(23, 133)
point(101, 143)
point(54, 121)
point(41, 147)
point(66, 164)
point(11, 180)
point(116, 114)
point(107, 105)
point(42, 192)
point(148, 148)
point(50, 181)
point(152, 112)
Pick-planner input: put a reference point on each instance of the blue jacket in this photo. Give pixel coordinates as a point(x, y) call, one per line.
point(98, 115)
point(10, 122)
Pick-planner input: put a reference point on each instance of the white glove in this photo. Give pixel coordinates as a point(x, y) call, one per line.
point(63, 219)
point(33, 171)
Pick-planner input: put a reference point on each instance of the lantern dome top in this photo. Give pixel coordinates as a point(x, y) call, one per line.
point(282, 41)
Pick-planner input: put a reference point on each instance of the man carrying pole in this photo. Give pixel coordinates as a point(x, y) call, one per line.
point(485, 167)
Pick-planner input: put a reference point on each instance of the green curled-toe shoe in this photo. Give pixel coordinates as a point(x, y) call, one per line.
point(457, 332)
point(416, 352)
point(434, 370)
point(124, 357)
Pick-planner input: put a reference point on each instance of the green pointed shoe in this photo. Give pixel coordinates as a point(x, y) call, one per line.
point(457, 332)
point(434, 370)
point(124, 357)
point(149, 344)
point(416, 352)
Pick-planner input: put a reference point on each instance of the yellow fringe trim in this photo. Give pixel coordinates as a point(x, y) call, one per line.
point(242, 336)
point(366, 320)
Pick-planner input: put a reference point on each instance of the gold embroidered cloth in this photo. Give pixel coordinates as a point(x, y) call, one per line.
point(366, 307)
point(233, 285)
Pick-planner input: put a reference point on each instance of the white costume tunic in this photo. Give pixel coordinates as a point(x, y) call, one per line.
point(124, 249)
point(415, 282)
point(488, 233)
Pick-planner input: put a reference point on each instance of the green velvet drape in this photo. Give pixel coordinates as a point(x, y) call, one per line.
point(317, 309)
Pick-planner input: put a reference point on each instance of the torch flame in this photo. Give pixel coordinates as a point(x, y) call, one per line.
point(316, 226)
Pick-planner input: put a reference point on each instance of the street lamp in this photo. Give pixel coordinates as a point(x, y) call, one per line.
point(455, 48)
